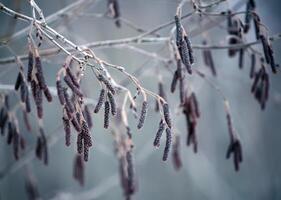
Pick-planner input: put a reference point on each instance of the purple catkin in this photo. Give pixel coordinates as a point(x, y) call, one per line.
point(72, 77)
point(70, 84)
point(60, 92)
point(257, 22)
point(174, 81)
point(78, 169)
point(31, 188)
point(100, 101)
point(130, 172)
point(79, 143)
point(160, 130)
point(168, 144)
point(235, 148)
point(26, 120)
point(27, 102)
point(68, 102)
point(196, 105)
point(176, 153)
point(179, 31)
point(30, 66)
point(19, 81)
point(3, 119)
point(253, 65)
point(106, 82)
point(190, 50)
point(44, 146)
point(23, 92)
point(67, 130)
point(39, 73)
point(86, 152)
point(16, 143)
point(39, 148)
point(106, 114)
point(76, 124)
point(112, 103)
point(87, 116)
point(256, 79)
point(48, 94)
point(167, 116)
point(22, 143)
point(11, 130)
point(142, 114)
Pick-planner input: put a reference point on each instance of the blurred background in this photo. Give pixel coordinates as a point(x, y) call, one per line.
point(205, 175)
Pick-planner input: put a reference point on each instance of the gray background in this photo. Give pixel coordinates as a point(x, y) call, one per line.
point(206, 175)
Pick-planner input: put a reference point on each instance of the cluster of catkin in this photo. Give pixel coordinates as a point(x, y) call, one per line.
point(74, 110)
point(9, 125)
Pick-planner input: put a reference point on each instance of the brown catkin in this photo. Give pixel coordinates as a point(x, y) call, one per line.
point(142, 114)
point(67, 130)
point(167, 116)
point(168, 144)
point(100, 101)
point(60, 92)
point(112, 103)
point(158, 135)
point(27, 102)
point(106, 114)
point(19, 81)
point(106, 82)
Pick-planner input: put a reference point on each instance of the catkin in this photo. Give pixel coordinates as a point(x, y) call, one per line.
point(106, 82)
point(142, 114)
point(168, 144)
point(30, 66)
point(78, 169)
point(167, 116)
point(130, 172)
point(39, 73)
point(68, 102)
point(106, 114)
point(190, 50)
point(60, 92)
point(67, 130)
point(87, 115)
point(48, 94)
point(112, 103)
point(176, 153)
point(79, 143)
point(100, 101)
point(72, 77)
point(19, 81)
point(160, 130)
point(71, 85)
point(253, 65)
